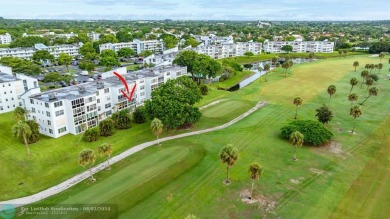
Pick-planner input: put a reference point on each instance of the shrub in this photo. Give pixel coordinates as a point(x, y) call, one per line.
point(315, 133)
point(91, 134)
point(204, 89)
point(107, 127)
point(374, 77)
point(140, 115)
point(223, 77)
point(121, 119)
point(34, 126)
point(324, 114)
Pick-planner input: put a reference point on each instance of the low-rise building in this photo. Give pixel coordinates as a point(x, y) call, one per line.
point(156, 46)
point(5, 38)
point(12, 87)
point(76, 108)
point(213, 39)
point(299, 46)
point(27, 53)
point(229, 50)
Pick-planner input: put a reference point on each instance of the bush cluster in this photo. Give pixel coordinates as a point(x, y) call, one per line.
point(315, 133)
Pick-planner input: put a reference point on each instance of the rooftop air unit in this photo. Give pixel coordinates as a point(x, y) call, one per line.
point(52, 96)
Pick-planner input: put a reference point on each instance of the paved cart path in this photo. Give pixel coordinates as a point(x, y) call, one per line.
point(86, 174)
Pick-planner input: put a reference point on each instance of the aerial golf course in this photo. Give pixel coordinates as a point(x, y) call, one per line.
point(347, 178)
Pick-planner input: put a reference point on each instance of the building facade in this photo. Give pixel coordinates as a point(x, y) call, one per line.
point(138, 46)
point(229, 50)
point(299, 46)
point(12, 88)
point(76, 108)
point(5, 38)
point(27, 53)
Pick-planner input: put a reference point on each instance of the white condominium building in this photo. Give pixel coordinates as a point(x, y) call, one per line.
point(27, 53)
point(5, 38)
point(138, 46)
point(213, 39)
point(229, 50)
point(74, 109)
point(299, 46)
point(13, 87)
point(93, 36)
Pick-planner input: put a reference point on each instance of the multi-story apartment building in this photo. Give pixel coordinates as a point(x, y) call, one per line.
point(93, 36)
point(138, 46)
point(12, 87)
point(213, 39)
point(229, 50)
point(74, 109)
point(27, 53)
point(5, 38)
point(299, 46)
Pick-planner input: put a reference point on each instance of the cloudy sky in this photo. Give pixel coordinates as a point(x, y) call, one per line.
point(197, 9)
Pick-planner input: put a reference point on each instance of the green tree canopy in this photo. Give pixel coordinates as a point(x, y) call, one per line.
point(42, 55)
point(287, 48)
point(173, 103)
point(124, 36)
point(107, 38)
point(191, 42)
point(125, 52)
point(29, 41)
point(170, 41)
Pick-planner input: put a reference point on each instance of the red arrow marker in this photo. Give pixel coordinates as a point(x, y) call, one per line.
point(127, 94)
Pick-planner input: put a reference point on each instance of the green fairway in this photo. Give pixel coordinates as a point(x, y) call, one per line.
point(347, 178)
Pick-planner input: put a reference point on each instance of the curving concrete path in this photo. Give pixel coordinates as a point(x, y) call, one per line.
point(86, 174)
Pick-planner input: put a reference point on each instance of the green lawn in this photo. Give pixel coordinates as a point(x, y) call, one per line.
point(327, 181)
point(234, 79)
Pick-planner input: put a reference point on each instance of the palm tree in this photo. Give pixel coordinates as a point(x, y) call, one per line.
point(274, 60)
point(157, 127)
point(381, 56)
point(297, 102)
point(372, 92)
point(380, 66)
point(255, 170)
point(87, 157)
point(22, 130)
point(290, 64)
point(267, 67)
point(228, 155)
point(105, 150)
point(345, 52)
point(372, 67)
point(369, 82)
point(286, 66)
point(353, 82)
point(331, 91)
point(355, 112)
point(353, 98)
point(20, 113)
point(355, 64)
point(364, 74)
point(296, 140)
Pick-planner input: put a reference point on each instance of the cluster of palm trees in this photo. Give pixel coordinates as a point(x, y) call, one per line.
point(87, 157)
point(229, 156)
point(24, 129)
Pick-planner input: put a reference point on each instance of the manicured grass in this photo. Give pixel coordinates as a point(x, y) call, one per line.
point(318, 185)
point(234, 79)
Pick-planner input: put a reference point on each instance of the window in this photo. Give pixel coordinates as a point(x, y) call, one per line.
point(48, 113)
point(106, 90)
point(47, 105)
point(108, 105)
point(59, 112)
point(58, 104)
point(33, 110)
point(61, 130)
point(31, 101)
point(48, 122)
point(98, 100)
point(50, 131)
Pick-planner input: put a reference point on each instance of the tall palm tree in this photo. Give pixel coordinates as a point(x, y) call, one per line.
point(87, 157)
point(157, 128)
point(297, 102)
point(331, 91)
point(372, 67)
point(355, 64)
point(355, 112)
point(255, 171)
point(105, 150)
point(364, 74)
point(267, 67)
point(296, 140)
point(369, 82)
point(286, 66)
point(353, 82)
point(20, 113)
point(372, 92)
point(274, 60)
point(22, 130)
point(353, 98)
point(381, 56)
point(380, 66)
point(229, 156)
